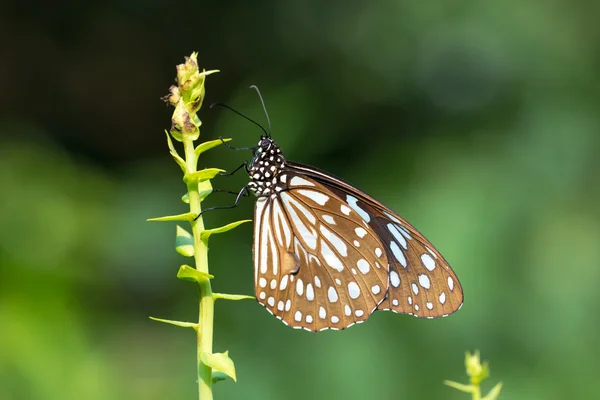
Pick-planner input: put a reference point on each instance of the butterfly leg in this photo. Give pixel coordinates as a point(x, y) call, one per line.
point(244, 165)
point(242, 193)
point(235, 148)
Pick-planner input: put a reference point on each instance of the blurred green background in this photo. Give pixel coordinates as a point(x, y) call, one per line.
point(476, 121)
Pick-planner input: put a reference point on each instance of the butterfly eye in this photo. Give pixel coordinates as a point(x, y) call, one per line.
point(265, 143)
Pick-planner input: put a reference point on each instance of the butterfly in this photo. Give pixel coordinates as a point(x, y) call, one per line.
point(327, 255)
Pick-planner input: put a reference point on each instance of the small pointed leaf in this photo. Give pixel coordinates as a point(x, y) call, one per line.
point(202, 147)
point(184, 242)
point(220, 362)
point(203, 175)
point(176, 323)
point(226, 296)
point(204, 189)
point(174, 153)
point(181, 217)
point(186, 198)
point(208, 232)
point(188, 273)
point(494, 393)
point(460, 386)
point(218, 376)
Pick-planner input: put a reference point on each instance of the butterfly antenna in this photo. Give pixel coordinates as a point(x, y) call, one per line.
point(264, 108)
point(241, 115)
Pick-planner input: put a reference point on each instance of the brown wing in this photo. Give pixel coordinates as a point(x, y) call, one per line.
point(318, 265)
point(422, 283)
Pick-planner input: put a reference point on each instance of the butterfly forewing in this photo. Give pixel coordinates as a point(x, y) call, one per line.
point(318, 265)
point(421, 282)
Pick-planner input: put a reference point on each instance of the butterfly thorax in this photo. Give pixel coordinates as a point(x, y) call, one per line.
point(265, 168)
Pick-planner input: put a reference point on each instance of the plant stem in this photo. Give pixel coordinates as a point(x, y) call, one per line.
point(206, 311)
point(476, 392)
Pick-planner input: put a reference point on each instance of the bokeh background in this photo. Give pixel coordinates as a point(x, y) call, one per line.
point(476, 121)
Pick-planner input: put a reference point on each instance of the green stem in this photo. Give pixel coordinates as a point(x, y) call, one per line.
point(476, 392)
point(206, 312)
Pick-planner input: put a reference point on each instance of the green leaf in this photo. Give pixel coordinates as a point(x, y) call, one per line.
point(218, 376)
point(494, 393)
point(188, 273)
point(460, 386)
point(174, 153)
point(202, 147)
point(204, 189)
point(203, 175)
point(177, 323)
point(208, 232)
point(219, 362)
point(189, 216)
point(226, 296)
point(186, 198)
point(184, 242)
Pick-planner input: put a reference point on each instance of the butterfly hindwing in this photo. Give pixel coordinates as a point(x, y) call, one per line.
point(318, 265)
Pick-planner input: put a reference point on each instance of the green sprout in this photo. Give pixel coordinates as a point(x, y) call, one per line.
point(187, 97)
point(477, 372)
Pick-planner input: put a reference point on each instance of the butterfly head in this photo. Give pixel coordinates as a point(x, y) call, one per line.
point(265, 167)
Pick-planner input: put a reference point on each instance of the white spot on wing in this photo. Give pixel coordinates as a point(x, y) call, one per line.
point(443, 298)
point(398, 254)
point(317, 282)
point(428, 262)
point(415, 288)
point(308, 237)
point(394, 231)
point(322, 313)
point(424, 281)
point(347, 310)
point(450, 283)
point(359, 313)
point(360, 232)
point(329, 219)
point(338, 243)
point(297, 181)
point(390, 216)
point(310, 294)
point(431, 252)
point(262, 282)
point(284, 282)
point(335, 319)
point(332, 295)
point(299, 287)
point(375, 289)
point(309, 319)
point(317, 197)
point(330, 258)
point(353, 203)
point(429, 305)
point(345, 209)
point(353, 290)
point(394, 279)
point(298, 316)
point(363, 266)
